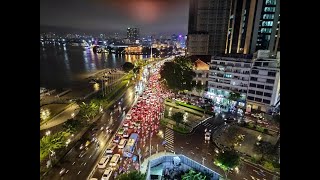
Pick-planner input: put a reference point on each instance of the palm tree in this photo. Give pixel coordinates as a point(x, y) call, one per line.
point(133, 175)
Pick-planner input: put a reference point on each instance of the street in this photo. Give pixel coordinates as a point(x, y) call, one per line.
point(80, 168)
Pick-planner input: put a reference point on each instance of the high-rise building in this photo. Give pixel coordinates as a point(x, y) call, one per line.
point(133, 34)
point(264, 83)
point(208, 18)
point(253, 25)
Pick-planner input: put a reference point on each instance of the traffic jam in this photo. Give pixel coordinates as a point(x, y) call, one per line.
point(141, 122)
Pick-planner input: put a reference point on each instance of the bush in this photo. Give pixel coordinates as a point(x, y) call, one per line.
point(268, 165)
point(251, 125)
point(260, 129)
point(266, 131)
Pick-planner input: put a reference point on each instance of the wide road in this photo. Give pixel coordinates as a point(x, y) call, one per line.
point(80, 167)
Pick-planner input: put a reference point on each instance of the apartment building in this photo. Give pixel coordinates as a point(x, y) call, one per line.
point(229, 73)
point(264, 84)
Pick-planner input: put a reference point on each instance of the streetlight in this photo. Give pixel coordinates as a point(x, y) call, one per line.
point(48, 132)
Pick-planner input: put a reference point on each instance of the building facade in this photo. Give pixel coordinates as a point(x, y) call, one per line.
point(211, 17)
point(229, 74)
point(198, 44)
point(264, 84)
point(133, 34)
point(253, 25)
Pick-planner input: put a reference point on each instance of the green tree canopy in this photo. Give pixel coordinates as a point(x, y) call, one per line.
point(234, 96)
point(72, 125)
point(199, 88)
point(51, 143)
point(127, 66)
point(178, 74)
point(191, 174)
point(89, 110)
point(177, 117)
point(228, 160)
point(132, 175)
point(264, 148)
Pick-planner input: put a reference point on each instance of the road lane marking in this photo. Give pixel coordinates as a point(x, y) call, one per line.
point(73, 163)
point(79, 172)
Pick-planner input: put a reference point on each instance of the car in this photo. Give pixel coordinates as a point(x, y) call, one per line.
point(107, 174)
point(116, 139)
point(125, 134)
point(62, 171)
point(207, 136)
point(103, 162)
point(131, 126)
point(114, 160)
point(122, 143)
point(111, 148)
point(81, 146)
point(120, 131)
point(88, 143)
point(82, 153)
point(126, 123)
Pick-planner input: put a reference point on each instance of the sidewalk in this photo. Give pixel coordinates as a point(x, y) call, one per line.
point(61, 117)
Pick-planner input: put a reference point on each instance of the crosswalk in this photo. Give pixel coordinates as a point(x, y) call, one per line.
point(208, 125)
point(169, 138)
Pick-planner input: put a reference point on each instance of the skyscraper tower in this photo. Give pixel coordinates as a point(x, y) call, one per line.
point(253, 25)
point(208, 26)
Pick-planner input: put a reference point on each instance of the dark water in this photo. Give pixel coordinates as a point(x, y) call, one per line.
point(61, 67)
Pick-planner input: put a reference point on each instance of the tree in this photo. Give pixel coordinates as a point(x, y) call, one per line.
point(227, 160)
point(178, 74)
point(191, 174)
point(72, 125)
point(177, 117)
point(276, 118)
point(234, 96)
point(127, 66)
point(132, 175)
point(89, 110)
point(199, 88)
point(52, 142)
point(264, 148)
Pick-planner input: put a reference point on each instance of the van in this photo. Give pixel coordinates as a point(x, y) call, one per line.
point(103, 162)
point(114, 160)
point(111, 148)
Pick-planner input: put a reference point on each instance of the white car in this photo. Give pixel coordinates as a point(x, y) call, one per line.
point(103, 162)
point(122, 143)
point(125, 134)
point(107, 174)
point(111, 148)
point(114, 160)
point(126, 124)
point(207, 136)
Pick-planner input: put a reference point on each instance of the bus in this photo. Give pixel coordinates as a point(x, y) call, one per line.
point(129, 148)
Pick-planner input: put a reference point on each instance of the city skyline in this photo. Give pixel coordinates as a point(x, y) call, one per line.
point(162, 16)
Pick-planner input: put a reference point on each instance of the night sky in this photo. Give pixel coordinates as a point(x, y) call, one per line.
point(151, 16)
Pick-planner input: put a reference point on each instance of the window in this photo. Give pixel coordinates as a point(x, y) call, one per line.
point(260, 86)
point(228, 75)
point(273, 74)
point(271, 81)
point(269, 9)
point(266, 101)
point(253, 79)
point(268, 16)
point(250, 98)
point(252, 85)
point(266, 30)
point(270, 2)
point(259, 93)
point(258, 99)
point(267, 23)
point(254, 72)
point(268, 87)
point(267, 94)
point(252, 92)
